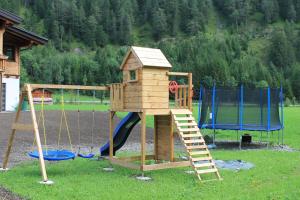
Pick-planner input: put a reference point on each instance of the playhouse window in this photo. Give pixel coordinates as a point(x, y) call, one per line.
point(10, 52)
point(132, 75)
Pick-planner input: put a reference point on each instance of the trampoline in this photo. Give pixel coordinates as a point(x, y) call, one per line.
point(259, 109)
point(54, 155)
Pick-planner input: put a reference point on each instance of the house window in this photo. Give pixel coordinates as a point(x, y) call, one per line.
point(10, 52)
point(132, 75)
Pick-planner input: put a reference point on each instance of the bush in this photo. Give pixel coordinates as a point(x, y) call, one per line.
point(287, 102)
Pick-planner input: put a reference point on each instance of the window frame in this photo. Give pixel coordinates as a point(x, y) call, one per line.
point(13, 49)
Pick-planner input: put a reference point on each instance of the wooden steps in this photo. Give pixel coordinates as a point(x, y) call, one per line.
point(194, 143)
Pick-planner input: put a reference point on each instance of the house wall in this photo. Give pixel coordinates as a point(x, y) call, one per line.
point(12, 93)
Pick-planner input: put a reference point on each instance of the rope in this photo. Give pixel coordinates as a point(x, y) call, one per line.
point(42, 116)
point(78, 121)
point(64, 117)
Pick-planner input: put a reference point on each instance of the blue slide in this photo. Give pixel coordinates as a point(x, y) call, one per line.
point(121, 133)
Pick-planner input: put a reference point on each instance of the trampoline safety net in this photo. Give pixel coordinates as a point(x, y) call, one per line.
point(241, 109)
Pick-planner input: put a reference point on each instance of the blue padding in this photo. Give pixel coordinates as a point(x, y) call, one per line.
point(248, 127)
point(54, 155)
point(91, 155)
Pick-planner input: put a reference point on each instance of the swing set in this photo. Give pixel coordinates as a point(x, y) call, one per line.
point(57, 154)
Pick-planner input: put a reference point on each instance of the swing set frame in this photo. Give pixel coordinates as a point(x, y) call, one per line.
point(17, 126)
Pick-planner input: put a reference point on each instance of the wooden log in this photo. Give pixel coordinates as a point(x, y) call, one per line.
point(37, 134)
point(70, 87)
point(12, 135)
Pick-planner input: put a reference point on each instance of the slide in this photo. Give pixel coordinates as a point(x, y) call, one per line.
point(121, 133)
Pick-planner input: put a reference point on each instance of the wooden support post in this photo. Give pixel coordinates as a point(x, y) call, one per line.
point(143, 139)
point(12, 135)
point(155, 139)
point(111, 132)
point(190, 93)
point(171, 139)
point(1, 89)
point(36, 133)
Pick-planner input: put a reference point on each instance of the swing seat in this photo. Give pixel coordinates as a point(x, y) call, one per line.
point(54, 155)
point(91, 155)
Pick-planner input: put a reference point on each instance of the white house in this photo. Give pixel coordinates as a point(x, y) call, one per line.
point(12, 40)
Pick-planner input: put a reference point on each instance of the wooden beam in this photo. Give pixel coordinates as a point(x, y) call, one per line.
point(36, 133)
point(171, 139)
point(12, 135)
point(136, 158)
point(125, 163)
point(166, 165)
point(143, 139)
point(70, 87)
point(177, 74)
point(24, 127)
point(190, 92)
point(111, 131)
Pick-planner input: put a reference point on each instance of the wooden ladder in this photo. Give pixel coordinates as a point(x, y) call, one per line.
point(199, 155)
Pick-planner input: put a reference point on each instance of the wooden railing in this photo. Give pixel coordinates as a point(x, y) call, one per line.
point(184, 94)
point(181, 97)
point(2, 64)
point(117, 96)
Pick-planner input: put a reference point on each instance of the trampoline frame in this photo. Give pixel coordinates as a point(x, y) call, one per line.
point(241, 126)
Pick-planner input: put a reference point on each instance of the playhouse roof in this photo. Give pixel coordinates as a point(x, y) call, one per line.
point(148, 57)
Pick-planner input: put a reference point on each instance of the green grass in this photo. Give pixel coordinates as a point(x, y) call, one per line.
point(276, 175)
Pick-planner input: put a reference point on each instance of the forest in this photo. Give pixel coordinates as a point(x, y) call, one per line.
point(228, 42)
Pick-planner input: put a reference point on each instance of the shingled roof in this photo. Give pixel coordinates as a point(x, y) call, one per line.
point(11, 17)
point(148, 57)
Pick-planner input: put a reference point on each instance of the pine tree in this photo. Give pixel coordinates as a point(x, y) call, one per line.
point(159, 24)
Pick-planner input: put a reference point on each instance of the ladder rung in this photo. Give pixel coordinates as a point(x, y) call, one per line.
point(196, 147)
point(199, 153)
point(206, 171)
point(198, 165)
point(201, 159)
point(183, 118)
point(188, 129)
point(193, 141)
point(191, 135)
point(186, 124)
point(181, 112)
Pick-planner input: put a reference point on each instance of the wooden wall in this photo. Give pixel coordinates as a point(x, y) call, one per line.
point(155, 88)
point(132, 89)
point(163, 140)
point(13, 67)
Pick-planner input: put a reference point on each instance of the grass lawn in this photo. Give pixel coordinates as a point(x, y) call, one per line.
point(276, 175)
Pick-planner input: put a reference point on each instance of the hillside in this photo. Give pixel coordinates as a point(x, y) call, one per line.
point(250, 42)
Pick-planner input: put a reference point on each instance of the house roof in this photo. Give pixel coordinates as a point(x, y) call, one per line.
point(148, 57)
point(27, 35)
point(11, 17)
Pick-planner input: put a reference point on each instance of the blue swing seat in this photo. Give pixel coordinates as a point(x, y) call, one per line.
point(54, 155)
point(91, 155)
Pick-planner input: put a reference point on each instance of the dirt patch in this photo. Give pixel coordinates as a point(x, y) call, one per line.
point(7, 195)
point(24, 140)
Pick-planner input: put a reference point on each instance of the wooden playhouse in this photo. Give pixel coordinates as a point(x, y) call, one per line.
point(145, 90)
